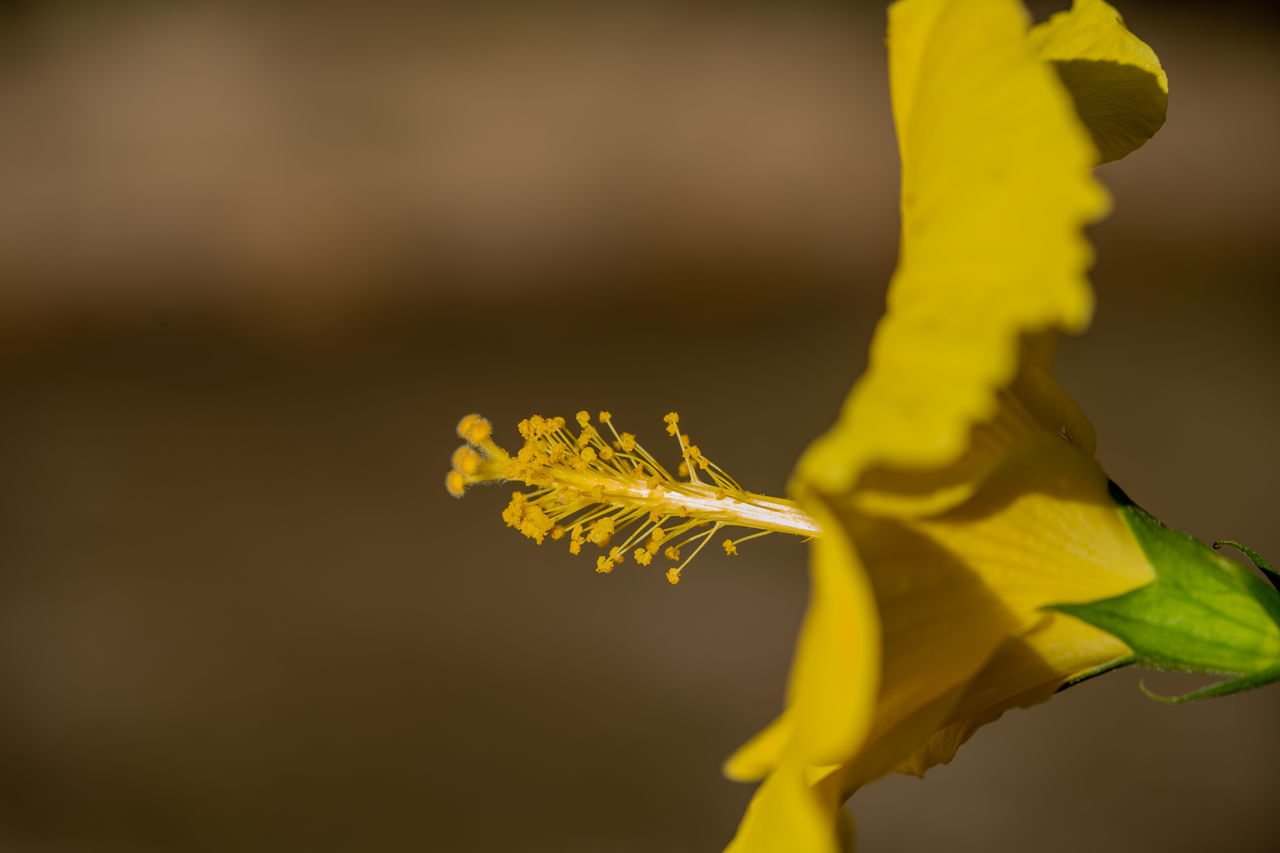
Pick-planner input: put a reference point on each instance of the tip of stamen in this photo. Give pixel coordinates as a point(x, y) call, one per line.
point(464, 425)
point(479, 430)
point(466, 460)
point(455, 483)
point(673, 576)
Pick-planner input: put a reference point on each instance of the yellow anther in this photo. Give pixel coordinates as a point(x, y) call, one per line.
point(615, 554)
point(556, 423)
point(575, 547)
point(525, 428)
point(466, 460)
point(658, 535)
point(464, 425)
point(588, 455)
point(557, 532)
point(628, 441)
point(606, 453)
point(693, 452)
point(673, 576)
point(730, 548)
point(643, 556)
point(683, 469)
point(535, 524)
point(672, 553)
point(604, 565)
point(601, 532)
point(455, 483)
point(583, 418)
point(671, 420)
point(514, 510)
point(479, 430)
point(605, 417)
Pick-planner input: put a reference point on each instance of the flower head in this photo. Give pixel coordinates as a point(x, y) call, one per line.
point(957, 493)
point(970, 555)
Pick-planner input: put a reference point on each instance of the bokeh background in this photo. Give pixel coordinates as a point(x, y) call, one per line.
point(256, 260)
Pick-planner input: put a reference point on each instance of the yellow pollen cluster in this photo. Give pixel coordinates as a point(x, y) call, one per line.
point(597, 486)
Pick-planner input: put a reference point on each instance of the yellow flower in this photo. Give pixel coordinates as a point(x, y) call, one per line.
point(957, 494)
point(966, 542)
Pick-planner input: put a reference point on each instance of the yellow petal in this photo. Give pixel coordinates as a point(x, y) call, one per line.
point(1043, 528)
point(996, 188)
point(787, 814)
point(1120, 91)
point(836, 671)
point(885, 750)
point(754, 759)
point(951, 589)
point(1023, 672)
point(1044, 400)
point(1033, 405)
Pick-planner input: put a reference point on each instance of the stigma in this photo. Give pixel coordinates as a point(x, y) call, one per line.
point(599, 487)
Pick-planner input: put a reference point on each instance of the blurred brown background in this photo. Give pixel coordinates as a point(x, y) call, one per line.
point(255, 261)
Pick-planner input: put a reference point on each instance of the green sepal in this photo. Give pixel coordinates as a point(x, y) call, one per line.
point(1102, 669)
point(1220, 688)
point(1203, 613)
point(1255, 558)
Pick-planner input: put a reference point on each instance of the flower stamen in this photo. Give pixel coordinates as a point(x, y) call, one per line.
point(595, 486)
